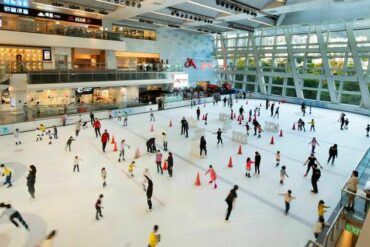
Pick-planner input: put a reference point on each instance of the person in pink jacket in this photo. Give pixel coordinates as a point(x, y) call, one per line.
point(158, 161)
point(249, 167)
point(212, 175)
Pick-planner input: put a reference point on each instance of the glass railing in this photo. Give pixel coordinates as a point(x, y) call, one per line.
point(44, 28)
point(70, 76)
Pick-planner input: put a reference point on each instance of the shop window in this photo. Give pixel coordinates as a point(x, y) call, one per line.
point(310, 94)
point(290, 92)
point(277, 90)
point(325, 96)
point(351, 99)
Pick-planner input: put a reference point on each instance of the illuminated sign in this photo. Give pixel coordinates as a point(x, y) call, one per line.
point(353, 229)
point(204, 64)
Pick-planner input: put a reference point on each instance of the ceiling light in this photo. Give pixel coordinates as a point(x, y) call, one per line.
point(127, 3)
point(173, 13)
point(191, 17)
point(186, 16)
point(139, 5)
point(133, 4)
point(177, 14)
point(89, 10)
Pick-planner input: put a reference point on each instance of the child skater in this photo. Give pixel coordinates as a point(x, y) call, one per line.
point(76, 164)
point(131, 167)
point(287, 198)
point(283, 174)
point(277, 157)
point(249, 167)
point(212, 175)
point(16, 136)
point(103, 174)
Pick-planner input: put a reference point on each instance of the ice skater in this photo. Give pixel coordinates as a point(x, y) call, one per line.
point(92, 118)
point(151, 116)
point(316, 174)
point(277, 112)
point(154, 237)
point(150, 145)
point(272, 109)
point(105, 139)
point(31, 180)
point(170, 164)
point(313, 143)
point(310, 162)
point(119, 116)
point(183, 122)
point(69, 143)
point(346, 122)
point(147, 174)
point(321, 209)
point(13, 214)
point(287, 199)
point(247, 128)
point(248, 167)
point(257, 163)
point(165, 141)
point(103, 174)
point(312, 123)
point(219, 136)
point(149, 193)
point(230, 200)
point(55, 132)
point(131, 168)
point(342, 120)
point(333, 153)
point(16, 137)
point(8, 175)
point(198, 113)
point(97, 127)
point(158, 161)
point(76, 164)
point(283, 174)
point(212, 175)
point(77, 128)
point(277, 158)
point(122, 150)
point(99, 207)
point(203, 146)
point(125, 119)
point(110, 116)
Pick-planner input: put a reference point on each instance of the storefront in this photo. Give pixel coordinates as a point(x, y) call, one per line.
point(88, 59)
point(139, 61)
point(51, 97)
point(134, 32)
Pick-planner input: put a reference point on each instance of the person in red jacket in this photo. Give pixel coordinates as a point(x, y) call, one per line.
point(105, 139)
point(97, 127)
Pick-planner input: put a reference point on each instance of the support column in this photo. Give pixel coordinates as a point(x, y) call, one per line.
point(357, 61)
point(325, 62)
point(260, 78)
point(18, 92)
point(110, 59)
point(297, 85)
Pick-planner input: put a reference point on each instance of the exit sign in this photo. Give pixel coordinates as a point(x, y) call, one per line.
point(353, 229)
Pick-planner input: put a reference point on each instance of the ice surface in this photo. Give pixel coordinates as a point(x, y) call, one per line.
point(187, 215)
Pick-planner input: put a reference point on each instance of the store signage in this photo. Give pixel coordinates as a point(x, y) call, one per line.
point(204, 64)
point(46, 55)
point(353, 229)
point(48, 15)
point(180, 80)
point(84, 90)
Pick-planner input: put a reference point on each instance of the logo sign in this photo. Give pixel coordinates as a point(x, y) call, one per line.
point(204, 64)
point(84, 90)
point(180, 80)
point(190, 63)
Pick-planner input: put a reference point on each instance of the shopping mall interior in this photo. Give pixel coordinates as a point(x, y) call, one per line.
point(184, 123)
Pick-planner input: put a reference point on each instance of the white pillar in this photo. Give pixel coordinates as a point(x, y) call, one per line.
point(18, 91)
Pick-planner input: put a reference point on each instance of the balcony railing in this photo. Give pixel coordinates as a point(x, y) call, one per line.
point(72, 76)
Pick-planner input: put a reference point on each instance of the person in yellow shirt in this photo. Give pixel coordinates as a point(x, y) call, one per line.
point(8, 175)
point(321, 211)
point(131, 167)
point(154, 237)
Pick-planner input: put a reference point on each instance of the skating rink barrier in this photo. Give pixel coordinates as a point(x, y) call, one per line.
point(195, 147)
point(224, 116)
point(239, 137)
point(192, 122)
point(227, 124)
point(270, 126)
point(198, 133)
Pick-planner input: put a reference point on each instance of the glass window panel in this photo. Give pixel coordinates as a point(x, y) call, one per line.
point(338, 37)
point(277, 90)
point(290, 92)
point(290, 81)
point(238, 85)
point(242, 42)
point(311, 83)
point(351, 99)
point(278, 80)
point(310, 94)
point(268, 41)
point(230, 43)
point(251, 78)
point(362, 35)
point(280, 40)
point(351, 86)
point(240, 63)
point(299, 39)
point(250, 87)
point(313, 39)
point(325, 96)
point(324, 84)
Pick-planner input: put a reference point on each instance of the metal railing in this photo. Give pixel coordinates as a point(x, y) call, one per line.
point(70, 76)
point(311, 243)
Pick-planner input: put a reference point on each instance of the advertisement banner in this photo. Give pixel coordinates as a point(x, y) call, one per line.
point(180, 80)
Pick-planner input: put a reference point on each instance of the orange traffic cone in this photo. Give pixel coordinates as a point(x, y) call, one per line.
point(113, 141)
point(272, 141)
point(197, 180)
point(151, 128)
point(115, 149)
point(293, 127)
point(240, 149)
point(281, 133)
point(164, 167)
point(171, 123)
point(137, 154)
point(230, 165)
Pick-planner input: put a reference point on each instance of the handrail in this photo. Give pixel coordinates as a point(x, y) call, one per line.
point(311, 243)
point(331, 228)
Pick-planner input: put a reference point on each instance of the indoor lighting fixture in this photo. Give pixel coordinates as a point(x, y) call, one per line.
point(126, 3)
point(209, 7)
point(61, 6)
point(182, 14)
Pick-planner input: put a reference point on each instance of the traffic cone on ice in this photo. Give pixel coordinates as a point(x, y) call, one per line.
point(272, 140)
point(293, 127)
point(170, 123)
point(115, 149)
point(240, 149)
point(230, 165)
point(197, 180)
point(164, 167)
point(137, 154)
point(151, 128)
point(281, 133)
point(113, 141)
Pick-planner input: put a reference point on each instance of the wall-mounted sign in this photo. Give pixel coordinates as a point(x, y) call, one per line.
point(180, 80)
point(84, 90)
point(46, 55)
point(19, 3)
point(48, 15)
point(352, 229)
point(204, 64)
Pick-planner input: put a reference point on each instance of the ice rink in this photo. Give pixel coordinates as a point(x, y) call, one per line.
point(187, 215)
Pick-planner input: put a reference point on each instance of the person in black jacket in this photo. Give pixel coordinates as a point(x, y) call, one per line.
point(316, 174)
point(92, 118)
point(257, 162)
point(170, 164)
point(203, 146)
point(183, 124)
point(230, 200)
point(149, 193)
point(333, 153)
point(198, 113)
point(31, 180)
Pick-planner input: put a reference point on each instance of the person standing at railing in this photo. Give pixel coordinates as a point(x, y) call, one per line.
point(367, 130)
point(97, 127)
point(352, 187)
point(367, 192)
